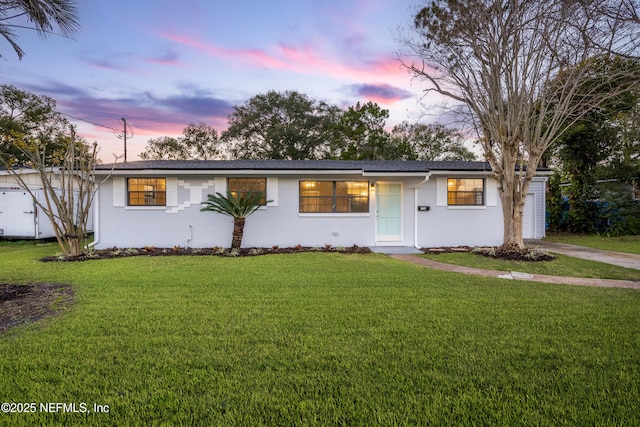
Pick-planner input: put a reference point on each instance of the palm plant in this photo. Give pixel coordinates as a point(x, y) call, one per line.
point(239, 208)
point(43, 16)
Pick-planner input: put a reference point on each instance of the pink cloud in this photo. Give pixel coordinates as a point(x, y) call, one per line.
point(300, 59)
point(254, 56)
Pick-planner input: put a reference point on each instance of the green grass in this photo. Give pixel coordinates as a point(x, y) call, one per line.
point(629, 244)
point(561, 266)
point(318, 339)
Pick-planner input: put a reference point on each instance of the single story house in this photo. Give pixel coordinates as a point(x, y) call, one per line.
point(312, 203)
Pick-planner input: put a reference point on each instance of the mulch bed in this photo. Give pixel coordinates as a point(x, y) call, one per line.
point(215, 251)
point(22, 304)
point(499, 252)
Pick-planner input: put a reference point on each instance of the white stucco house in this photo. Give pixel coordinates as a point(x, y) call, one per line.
point(313, 203)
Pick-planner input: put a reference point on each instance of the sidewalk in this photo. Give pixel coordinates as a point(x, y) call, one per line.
point(578, 281)
point(620, 259)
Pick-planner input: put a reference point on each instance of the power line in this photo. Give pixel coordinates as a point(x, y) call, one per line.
point(123, 134)
point(93, 123)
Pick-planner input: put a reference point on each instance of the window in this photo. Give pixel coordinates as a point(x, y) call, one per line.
point(146, 191)
point(334, 196)
point(465, 191)
point(241, 187)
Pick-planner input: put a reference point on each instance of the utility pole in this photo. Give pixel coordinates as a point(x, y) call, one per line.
point(124, 137)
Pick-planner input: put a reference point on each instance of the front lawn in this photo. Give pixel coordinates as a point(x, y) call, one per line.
point(561, 266)
point(317, 339)
point(629, 244)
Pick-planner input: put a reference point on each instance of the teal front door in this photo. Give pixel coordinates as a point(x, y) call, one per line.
point(389, 212)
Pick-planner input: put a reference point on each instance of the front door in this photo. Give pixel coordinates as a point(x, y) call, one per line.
point(389, 212)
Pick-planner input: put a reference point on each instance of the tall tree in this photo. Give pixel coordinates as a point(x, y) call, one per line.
point(44, 16)
point(279, 125)
point(583, 148)
point(430, 142)
point(360, 134)
point(25, 115)
point(200, 142)
point(625, 164)
point(519, 66)
point(590, 147)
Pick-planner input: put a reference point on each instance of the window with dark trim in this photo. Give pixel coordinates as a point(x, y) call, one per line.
point(241, 187)
point(334, 196)
point(146, 191)
point(465, 191)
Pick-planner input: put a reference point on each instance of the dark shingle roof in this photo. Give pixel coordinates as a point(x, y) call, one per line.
point(303, 165)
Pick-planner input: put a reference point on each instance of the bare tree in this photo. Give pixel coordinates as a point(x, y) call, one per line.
point(525, 70)
point(68, 181)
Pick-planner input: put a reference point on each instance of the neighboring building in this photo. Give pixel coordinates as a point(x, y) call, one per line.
point(314, 202)
point(20, 216)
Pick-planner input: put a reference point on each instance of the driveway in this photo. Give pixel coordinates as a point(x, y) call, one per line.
point(620, 259)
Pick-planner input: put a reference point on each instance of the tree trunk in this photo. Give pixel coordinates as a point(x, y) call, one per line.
point(512, 187)
point(238, 231)
point(75, 246)
point(512, 211)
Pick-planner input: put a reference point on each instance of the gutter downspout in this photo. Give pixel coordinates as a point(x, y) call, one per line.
point(96, 219)
point(415, 211)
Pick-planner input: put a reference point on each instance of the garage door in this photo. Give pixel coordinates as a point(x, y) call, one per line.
point(529, 217)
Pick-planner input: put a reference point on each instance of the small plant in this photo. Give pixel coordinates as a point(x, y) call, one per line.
point(92, 254)
point(340, 249)
point(177, 248)
point(196, 251)
point(275, 248)
point(235, 252)
point(298, 247)
point(327, 248)
point(147, 249)
point(538, 253)
point(485, 251)
point(131, 251)
point(165, 251)
point(255, 251)
point(316, 249)
point(117, 251)
point(219, 251)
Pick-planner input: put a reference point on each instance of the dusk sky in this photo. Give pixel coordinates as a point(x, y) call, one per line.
point(164, 64)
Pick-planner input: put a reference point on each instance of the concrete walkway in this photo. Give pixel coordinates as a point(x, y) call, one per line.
point(395, 250)
point(578, 281)
point(620, 259)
